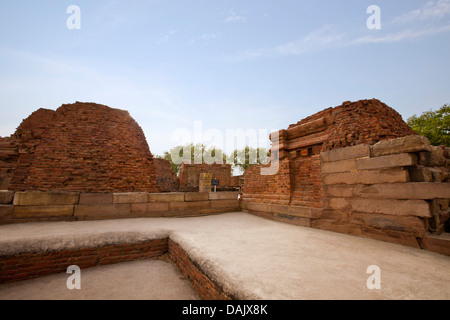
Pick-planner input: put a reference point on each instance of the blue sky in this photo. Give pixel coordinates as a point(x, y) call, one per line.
point(229, 64)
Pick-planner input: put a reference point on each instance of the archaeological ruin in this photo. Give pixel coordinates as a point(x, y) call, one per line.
point(335, 170)
point(355, 169)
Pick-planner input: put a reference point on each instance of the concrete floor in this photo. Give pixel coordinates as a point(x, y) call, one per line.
point(137, 280)
point(254, 258)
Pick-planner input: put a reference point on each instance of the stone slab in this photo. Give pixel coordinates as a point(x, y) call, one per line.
point(45, 198)
point(331, 225)
point(6, 211)
point(166, 197)
point(96, 198)
point(338, 166)
point(196, 196)
point(337, 203)
point(296, 211)
point(256, 206)
point(394, 175)
point(6, 197)
point(110, 210)
point(439, 244)
point(359, 151)
point(413, 143)
point(412, 190)
point(221, 204)
point(131, 197)
point(399, 237)
point(223, 195)
point(339, 191)
point(292, 219)
point(43, 211)
point(421, 174)
point(391, 161)
point(414, 225)
point(418, 208)
point(149, 207)
point(184, 206)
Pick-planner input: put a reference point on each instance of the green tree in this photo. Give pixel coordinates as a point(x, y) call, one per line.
point(435, 125)
point(197, 153)
point(243, 159)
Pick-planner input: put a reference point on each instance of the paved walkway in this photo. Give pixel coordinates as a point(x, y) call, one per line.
point(254, 258)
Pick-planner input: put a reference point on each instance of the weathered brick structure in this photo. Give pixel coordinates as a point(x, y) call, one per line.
point(190, 173)
point(335, 168)
point(299, 180)
point(165, 177)
point(82, 147)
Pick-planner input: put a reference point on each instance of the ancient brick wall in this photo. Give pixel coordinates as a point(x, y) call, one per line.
point(237, 181)
point(365, 122)
point(268, 189)
point(357, 169)
point(33, 265)
point(165, 177)
point(9, 156)
point(83, 147)
point(361, 122)
point(189, 174)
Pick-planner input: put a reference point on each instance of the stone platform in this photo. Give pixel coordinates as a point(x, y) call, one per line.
point(252, 258)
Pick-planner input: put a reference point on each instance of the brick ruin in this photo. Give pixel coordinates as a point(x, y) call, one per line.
point(335, 166)
point(166, 179)
point(190, 174)
point(299, 180)
point(83, 147)
point(356, 168)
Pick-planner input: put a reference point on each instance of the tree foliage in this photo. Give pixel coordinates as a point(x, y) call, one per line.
point(199, 153)
point(243, 159)
point(435, 125)
point(191, 153)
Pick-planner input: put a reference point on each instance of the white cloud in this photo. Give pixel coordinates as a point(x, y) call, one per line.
point(206, 37)
point(165, 37)
point(233, 18)
point(432, 10)
point(401, 35)
point(325, 37)
point(406, 27)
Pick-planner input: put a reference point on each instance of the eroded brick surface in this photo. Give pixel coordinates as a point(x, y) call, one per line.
point(82, 147)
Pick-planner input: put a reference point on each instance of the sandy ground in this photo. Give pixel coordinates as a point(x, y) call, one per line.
point(252, 258)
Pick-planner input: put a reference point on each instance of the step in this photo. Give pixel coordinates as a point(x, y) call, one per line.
point(437, 243)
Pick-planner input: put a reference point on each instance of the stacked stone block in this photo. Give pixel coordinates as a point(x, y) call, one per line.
point(375, 191)
point(74, 206)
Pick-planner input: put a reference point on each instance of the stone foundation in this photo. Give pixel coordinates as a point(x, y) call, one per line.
point(22, 207)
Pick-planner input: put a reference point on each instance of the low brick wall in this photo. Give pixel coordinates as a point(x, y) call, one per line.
point(33, 265)
point(26, 266)
point(205, 287)
point(72, 206)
